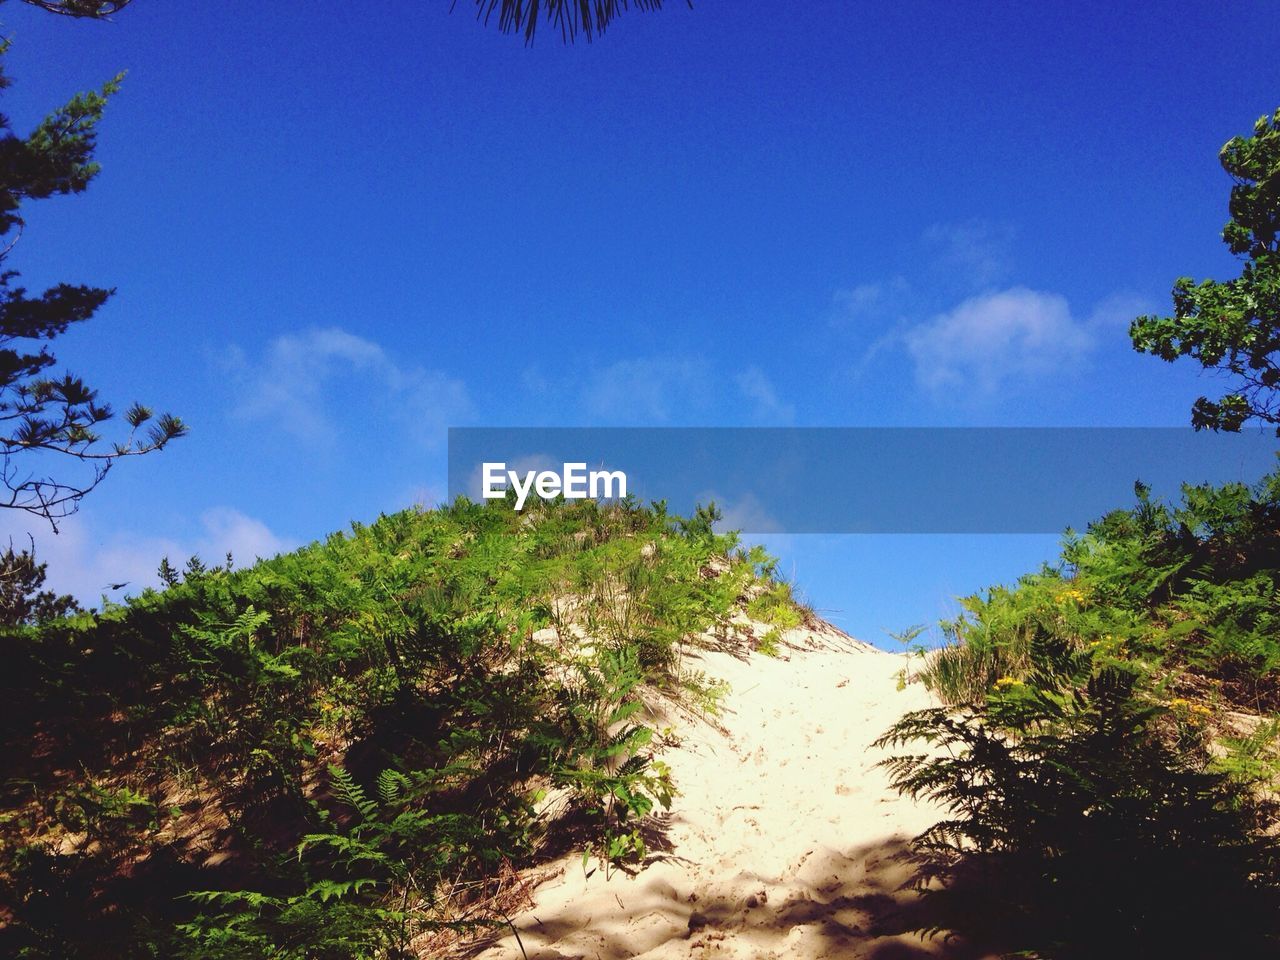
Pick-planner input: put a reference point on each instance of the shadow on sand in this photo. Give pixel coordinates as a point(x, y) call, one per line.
point(858, 903)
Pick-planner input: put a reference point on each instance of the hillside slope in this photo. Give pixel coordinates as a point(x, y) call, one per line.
point(785, 839)
point(348, 752)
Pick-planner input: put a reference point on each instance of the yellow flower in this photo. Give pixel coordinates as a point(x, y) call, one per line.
point(1007, 682)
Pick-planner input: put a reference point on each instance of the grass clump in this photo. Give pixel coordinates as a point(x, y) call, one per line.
point(776, 606)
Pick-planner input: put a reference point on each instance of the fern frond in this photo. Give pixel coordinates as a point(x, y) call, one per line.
point(351, 793)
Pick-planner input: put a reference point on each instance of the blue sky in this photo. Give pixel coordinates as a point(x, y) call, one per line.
point(337, 229)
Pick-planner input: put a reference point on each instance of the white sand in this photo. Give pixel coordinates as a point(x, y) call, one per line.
point(785, 840)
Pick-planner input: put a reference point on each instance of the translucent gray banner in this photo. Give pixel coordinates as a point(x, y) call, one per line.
point(859, 480)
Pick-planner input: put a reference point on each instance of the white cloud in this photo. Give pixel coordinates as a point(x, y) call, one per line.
point(768, 409)
point(229, 530)
point(298, 372)
point(999, 339)
point(85, 563)
point(996, 339)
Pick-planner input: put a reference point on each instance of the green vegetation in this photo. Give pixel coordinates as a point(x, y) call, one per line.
point(1108, 755)
point(1109, 748)
point(1234, 326)
point(1193, 588)
point(778, 609)
point(344, 752)
point(55, 418)
point(23, 598)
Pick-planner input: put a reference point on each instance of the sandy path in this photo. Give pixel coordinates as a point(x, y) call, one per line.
point(785, 840)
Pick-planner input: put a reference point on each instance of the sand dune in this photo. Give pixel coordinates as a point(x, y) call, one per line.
point(785, 840)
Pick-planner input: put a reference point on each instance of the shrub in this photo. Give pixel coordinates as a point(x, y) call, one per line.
point(1082, 753)
point(1093, 816)
point(333, 752)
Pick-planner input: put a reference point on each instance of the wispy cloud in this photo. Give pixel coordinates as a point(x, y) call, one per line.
point(1116, 312)
point(872, 306)
point(974, 254)
point(650, 391)
point(301, 378)
point(662, 391)
point(767, 409)
point(875, 316)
